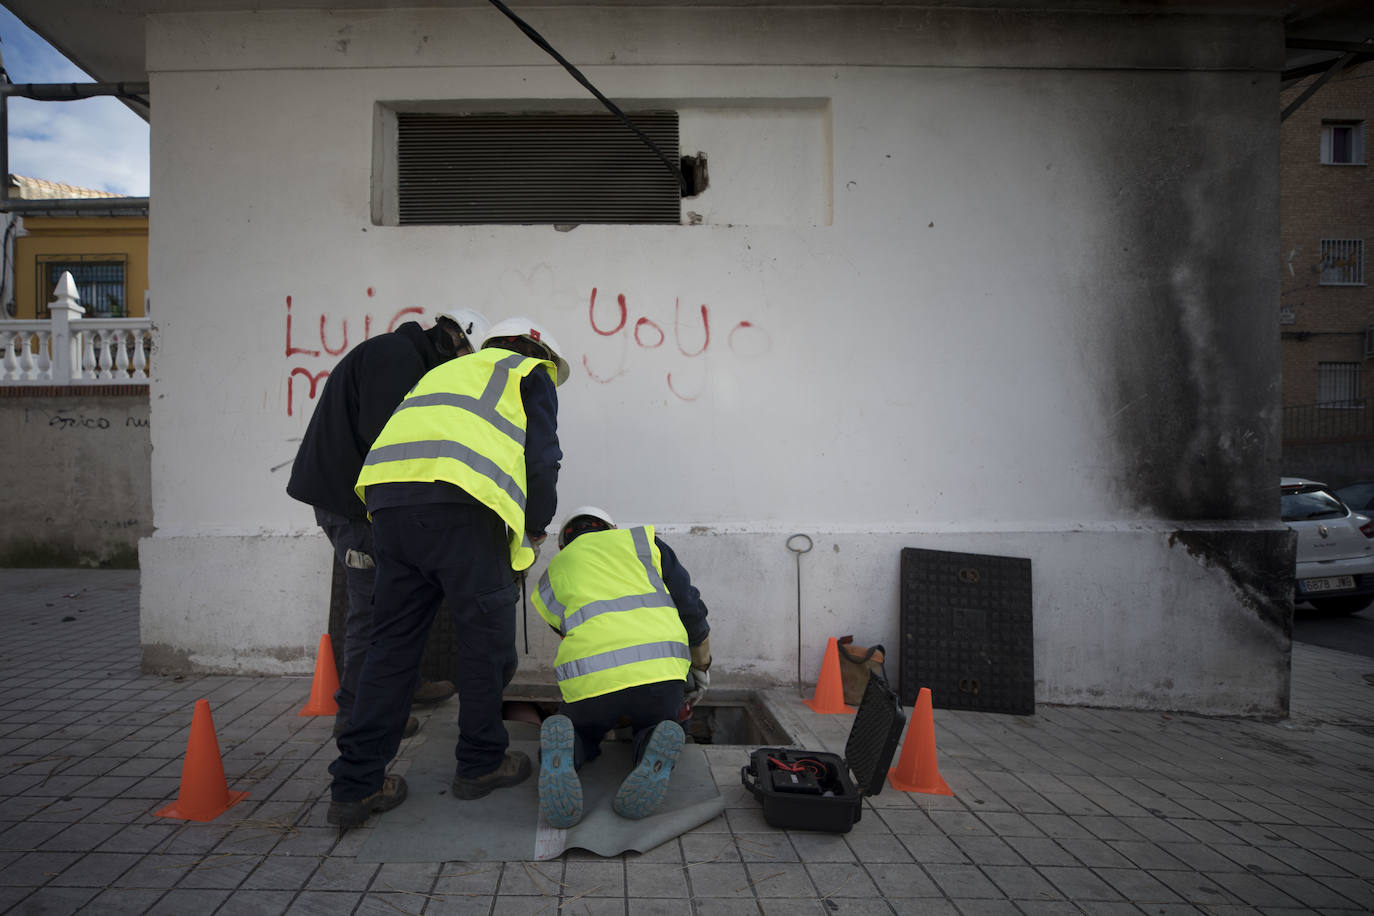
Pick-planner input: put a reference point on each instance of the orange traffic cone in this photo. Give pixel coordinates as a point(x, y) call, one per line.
point(917, 770)
point(325, 683)
point(829, 696)
point(204, 794)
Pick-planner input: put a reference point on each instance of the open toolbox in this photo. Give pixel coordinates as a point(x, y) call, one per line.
point(818, 790)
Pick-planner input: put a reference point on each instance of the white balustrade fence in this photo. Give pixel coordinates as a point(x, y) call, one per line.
point(72, 350)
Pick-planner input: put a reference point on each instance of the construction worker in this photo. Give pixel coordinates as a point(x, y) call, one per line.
point(461, 485)
point(358, 398)
point(633, 629)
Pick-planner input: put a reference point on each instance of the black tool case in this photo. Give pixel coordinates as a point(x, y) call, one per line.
point(818, 790)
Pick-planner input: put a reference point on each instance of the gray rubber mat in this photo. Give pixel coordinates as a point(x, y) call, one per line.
point(432, 826)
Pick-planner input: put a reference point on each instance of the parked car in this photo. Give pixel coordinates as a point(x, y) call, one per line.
point(1335, 571)
point(1358, 496)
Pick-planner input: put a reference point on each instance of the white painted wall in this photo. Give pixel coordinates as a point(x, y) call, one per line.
point(972, 294)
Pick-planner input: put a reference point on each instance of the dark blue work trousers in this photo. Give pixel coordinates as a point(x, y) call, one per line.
point(352, 536)
point(426, 555)
point(645, 706)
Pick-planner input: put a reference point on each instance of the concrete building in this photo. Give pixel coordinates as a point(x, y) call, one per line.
point(1326, 313)
point(986, 279)
point(105, 251)
point(76, 470)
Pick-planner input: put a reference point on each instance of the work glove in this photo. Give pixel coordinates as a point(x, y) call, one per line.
point(698, 680)
point(699, 670)
point(701, 655)
point(536, 543)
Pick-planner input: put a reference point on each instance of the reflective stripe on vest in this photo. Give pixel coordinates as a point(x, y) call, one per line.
point(438, 433)
point(612, 653)
point(659, 597)
point(445, 448)
point(484, 406)
point(617, 657)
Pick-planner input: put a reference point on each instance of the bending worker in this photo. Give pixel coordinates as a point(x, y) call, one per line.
point(461, 485)
point(358, 398)
point(633, 626)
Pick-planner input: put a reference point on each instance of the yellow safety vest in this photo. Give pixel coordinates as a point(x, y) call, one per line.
point(604, 592)
point(463, 423)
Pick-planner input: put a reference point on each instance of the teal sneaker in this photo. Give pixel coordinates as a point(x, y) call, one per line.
point(643, 790)
point(560, 791)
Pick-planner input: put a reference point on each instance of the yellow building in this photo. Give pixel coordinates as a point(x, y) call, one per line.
point(106, 249)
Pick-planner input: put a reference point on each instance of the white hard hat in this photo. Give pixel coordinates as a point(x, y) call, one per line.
point(530, 330)
point(583, 512)
point(471, 322)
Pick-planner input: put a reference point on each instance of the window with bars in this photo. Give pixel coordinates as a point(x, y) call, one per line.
point(535, 167)
point(99, 282)
point(1343, 142)
point(1338, 385)
point(1342, 262)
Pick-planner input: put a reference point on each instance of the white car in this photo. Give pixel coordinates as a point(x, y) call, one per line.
point(1335, 547)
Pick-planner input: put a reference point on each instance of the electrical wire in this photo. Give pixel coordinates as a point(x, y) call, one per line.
point(803, 765)
point(611, 106)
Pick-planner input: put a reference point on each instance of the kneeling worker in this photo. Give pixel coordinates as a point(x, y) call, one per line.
point(633, 626)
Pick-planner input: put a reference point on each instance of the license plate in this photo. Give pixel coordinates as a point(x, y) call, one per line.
point(1329, 584)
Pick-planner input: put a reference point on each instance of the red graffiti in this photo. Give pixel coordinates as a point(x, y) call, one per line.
point(342, 347)
point(639, 325)
point(705, 329)
point(291, 349)
point(648, 334)
point(396, 319)
point(591, 314)
point(596, 378)
point(316, 376)
point(761, 340)
point(673, 389)
point(313, 378)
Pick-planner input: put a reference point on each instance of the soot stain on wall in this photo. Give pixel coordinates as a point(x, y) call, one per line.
point(1258, 565)
point(1191, 388)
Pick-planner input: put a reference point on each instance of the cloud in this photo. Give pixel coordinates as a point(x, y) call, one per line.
point(94, 143)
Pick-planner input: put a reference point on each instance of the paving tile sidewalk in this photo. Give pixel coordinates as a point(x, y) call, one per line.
point(1072, 810)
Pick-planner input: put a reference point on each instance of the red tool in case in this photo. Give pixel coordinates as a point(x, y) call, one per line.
point(818, 790)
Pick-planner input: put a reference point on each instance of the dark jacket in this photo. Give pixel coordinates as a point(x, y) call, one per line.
point(690, 607)
point(359, 396)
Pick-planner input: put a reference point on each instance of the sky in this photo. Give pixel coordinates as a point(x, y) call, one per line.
point(94, 143)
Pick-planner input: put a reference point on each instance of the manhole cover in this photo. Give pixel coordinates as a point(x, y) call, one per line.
point(967, 631)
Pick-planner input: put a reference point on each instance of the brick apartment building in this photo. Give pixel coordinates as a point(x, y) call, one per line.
point(1326, 307)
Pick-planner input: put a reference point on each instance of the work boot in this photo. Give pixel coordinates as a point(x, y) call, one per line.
point(560, 791)
point(412, 726)
point(643, 790)
point(514, 769)
point(347, 814)
point(432, 693)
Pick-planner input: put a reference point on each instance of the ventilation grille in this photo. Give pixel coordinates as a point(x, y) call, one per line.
point(535, 168)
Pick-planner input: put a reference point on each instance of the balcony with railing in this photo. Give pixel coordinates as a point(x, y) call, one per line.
point(1335, 421)
point(71, 349)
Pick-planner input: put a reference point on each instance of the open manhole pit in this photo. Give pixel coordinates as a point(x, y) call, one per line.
point(730, 720)
point(731, 716)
